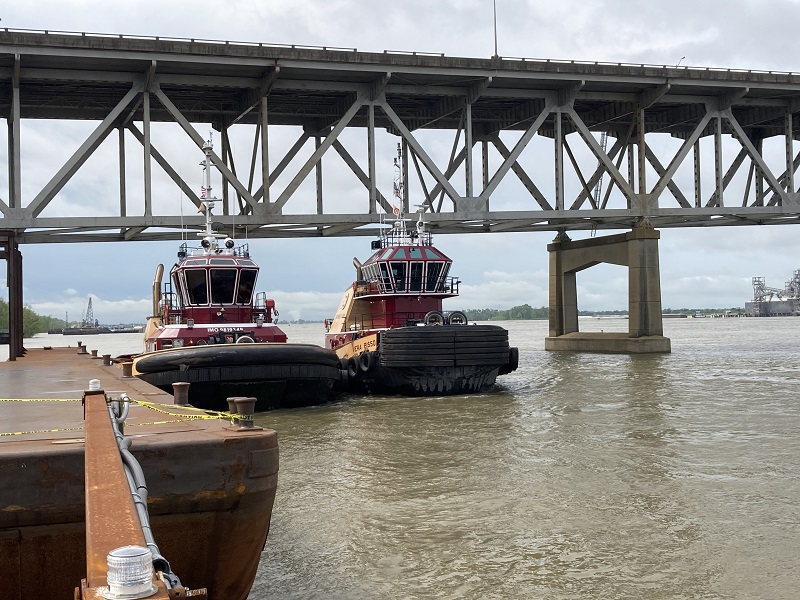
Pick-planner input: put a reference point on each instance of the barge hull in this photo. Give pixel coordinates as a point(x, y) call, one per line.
point(211, 487)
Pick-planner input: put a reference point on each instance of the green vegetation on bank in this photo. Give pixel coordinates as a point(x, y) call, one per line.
point(526, 312)
point(31, 322)
point(517, 313)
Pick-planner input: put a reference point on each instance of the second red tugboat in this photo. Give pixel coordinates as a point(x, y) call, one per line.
point(211, 329)
point(391, 333)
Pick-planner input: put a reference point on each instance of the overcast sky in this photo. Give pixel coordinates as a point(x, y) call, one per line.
point(701, 268)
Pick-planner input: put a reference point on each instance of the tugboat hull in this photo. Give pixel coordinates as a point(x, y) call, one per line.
point(433, 360)
point(277, 375)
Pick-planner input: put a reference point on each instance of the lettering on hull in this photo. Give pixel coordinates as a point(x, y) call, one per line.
point(356, 347)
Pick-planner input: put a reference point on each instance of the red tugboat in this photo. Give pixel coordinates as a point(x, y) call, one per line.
point(212, 330)
point(391, 333)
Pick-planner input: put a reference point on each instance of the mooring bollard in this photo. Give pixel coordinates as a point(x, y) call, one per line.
point(246, 407)
point(82, 349)
point(106, 359)
point(127, 369)
point(180, 393)
point(94, 353)
point(233, 410)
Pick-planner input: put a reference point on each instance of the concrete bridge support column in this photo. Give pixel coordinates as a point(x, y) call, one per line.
point(637, 250)
point(10, 252)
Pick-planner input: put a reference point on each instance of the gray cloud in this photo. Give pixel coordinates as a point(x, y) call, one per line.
point(700, 268)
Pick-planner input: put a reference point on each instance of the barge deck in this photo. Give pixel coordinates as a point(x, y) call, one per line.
point(211, 486)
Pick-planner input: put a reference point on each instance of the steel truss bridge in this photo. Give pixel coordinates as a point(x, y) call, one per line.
point(529, 145)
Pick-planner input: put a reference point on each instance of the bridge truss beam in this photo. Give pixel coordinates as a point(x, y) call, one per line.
point(690, 147)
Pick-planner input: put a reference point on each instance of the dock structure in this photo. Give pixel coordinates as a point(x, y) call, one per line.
point(210, 485)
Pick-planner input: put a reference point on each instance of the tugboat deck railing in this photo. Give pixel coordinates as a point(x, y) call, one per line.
point(241, 251)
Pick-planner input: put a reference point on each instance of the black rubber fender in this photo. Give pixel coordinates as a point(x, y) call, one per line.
point(344, 378)
point(513, 361)
point(457, 318)
point(221, 355)
point(353, 369)
point(366, 361)
point(434, 317)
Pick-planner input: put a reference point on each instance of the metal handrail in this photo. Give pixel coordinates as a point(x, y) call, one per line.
point(160, 38)
point(397, 52)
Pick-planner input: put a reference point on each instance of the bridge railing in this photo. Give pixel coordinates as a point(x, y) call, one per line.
point(396, 52)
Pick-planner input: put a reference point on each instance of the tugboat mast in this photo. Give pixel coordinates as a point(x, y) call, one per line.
point(210, 237)
point(399, 233)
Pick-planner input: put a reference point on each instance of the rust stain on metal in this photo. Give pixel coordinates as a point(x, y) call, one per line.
point(111, 519)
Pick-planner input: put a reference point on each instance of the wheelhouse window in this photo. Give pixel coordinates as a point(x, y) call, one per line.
point(432, 283)
point(386, 281)
point(445, 271)
point(247, 282)
point(399, 276)
point(223, 284)
point(196, 286)
point(415, 283)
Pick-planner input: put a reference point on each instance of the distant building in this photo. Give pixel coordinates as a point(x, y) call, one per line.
point(774, 302)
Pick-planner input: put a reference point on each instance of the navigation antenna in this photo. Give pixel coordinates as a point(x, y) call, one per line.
point(398, 181)
point(205, 191)
point(210, 241)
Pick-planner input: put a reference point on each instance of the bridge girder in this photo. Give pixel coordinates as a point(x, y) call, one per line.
point(514, 115)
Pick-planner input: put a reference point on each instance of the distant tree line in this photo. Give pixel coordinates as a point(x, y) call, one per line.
point(526, 312)
point(31, 322)
point(516, 313)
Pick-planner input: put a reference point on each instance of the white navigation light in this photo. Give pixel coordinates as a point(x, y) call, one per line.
point(130, 573)
point(94, 385)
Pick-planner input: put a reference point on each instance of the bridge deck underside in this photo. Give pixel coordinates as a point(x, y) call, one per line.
point(579, 141)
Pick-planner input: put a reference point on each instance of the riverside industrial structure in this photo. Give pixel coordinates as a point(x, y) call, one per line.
point(775, 302)
point(535, 145)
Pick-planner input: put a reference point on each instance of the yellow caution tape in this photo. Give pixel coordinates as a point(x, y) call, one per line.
point(203, 413)
point(9, 433)
point(167, 409)
point(40, 399)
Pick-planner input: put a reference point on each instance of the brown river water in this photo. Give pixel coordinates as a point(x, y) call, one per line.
point(579, 476)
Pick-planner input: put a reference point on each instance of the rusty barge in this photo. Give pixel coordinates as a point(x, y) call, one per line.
point(210, 484)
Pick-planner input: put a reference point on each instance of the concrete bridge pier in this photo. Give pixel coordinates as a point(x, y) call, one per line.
point(9, 251)
point(637, 250)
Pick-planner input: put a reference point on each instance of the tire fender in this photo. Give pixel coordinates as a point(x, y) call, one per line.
point(513, 362)
point(434, 317)
point(366, 361)
point(457, 318)
point(352, 367)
